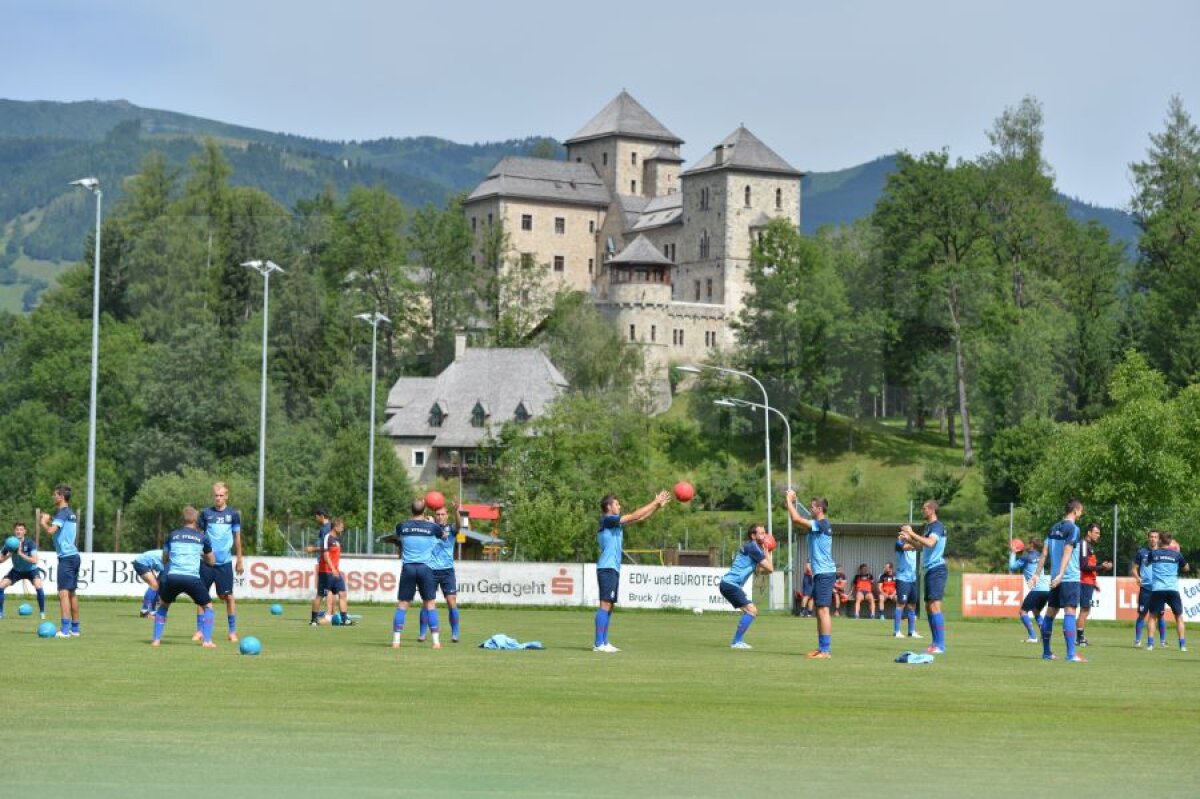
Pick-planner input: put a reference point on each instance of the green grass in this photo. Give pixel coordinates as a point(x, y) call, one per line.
point(675, 714)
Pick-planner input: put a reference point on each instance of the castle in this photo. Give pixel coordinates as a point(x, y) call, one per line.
point(663, 251)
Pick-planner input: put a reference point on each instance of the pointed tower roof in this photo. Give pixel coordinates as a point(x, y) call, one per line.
point(743, 151)
point(641, 252)
point(624, 116)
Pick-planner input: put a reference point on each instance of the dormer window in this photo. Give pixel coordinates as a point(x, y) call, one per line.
point(479, 415)
point(437, 415)
point(521, 415)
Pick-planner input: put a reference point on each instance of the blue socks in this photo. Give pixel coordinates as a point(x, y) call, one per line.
point(424, 624)
point(434, 626)
point(743, 624)
point(1047, 631)
point(160, 621)
point(41, 595)
point(911, 615)
point(66, 626)
point(149, 600)
point(1138, 627)
point(602, 618)
point(1028, 622)
point(454, 622)
point(896, 621)
point(1, 600)
point(398, 620)
point(937, 626)
point(1069, 632)
point(206, 625)
point(1162, 631)
point(825, 642)
point(74, 628)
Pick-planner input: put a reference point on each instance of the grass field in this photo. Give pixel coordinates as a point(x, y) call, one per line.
point(327, 711)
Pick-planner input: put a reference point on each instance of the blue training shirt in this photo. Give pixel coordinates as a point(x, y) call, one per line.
point(611, 538)
point(443, 549)
point(1167, 563)
point(749, 556)
point(151, 559)
point(221, 526)
point(1061, 534)
point(906, 563)
point(185, 549)
point(66, 529)
point(820, 547)
point(417, 539)
point(935, 555)
point(1145, 567)
point(1027, 564)
point(20, 565)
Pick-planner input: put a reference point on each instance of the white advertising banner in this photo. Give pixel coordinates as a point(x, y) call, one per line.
point(376, 580)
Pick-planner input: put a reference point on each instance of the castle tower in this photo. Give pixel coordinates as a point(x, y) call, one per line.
point(620, 140)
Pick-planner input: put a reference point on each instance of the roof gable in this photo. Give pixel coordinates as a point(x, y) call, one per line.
point(625, 116)
point(742, 150)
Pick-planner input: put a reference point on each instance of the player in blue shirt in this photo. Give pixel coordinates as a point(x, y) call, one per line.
point(1143, 570)
point(24, 567)
point(443, 573)
point(223, 525)
point(417, 537)
point(933, 539)
point(149, 568)
point(824, 568)
point(1037, 587)
point(184, 551)
point(1062, 549)
point(611, 538)
point(906, 588)
point(63, 527)
point(1168, 562)
point(753, 556)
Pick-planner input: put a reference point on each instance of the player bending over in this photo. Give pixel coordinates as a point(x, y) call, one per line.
point(753, 556)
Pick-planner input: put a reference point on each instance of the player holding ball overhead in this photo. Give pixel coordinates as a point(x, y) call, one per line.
point(611, 536)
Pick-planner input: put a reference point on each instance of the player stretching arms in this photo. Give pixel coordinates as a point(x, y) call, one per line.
point(824, 568)
point(1037, 587)
point(751, 557)
point(611, 538)
point(1088, 567)
point(24, 567)
point(149, 568)
point(1168, 562)
point(932, 538)
point(63, 528)
point(1143, 570)
point(1062, 547)
point(223, 525)
point(906, 588)
point(443, 572)
point(183, 553)
point(417, 538)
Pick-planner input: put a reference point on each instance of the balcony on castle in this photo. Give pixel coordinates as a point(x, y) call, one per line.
point(639, 274)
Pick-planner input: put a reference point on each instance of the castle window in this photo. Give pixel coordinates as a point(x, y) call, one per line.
point(560, 225)
point(578, 160)
point(703, 245)
point(479, 415)
point(708, 288)
point(436, 415)
point(633, 158)
point(520, 414)
point(489, 220)
point(633, 187)
point(747, 196)
point(653, 332)
point(418, 457)
point(632, 333)
point(591, 226)
point(681, 338)
point(473, 226)
point(526, 221)
point(560, 263)
point(604, 159)
point(704, 199)
point(697, 291)
point(591, 265)
point(779, 199)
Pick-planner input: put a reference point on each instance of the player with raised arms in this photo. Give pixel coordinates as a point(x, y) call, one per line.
point(1168, 562)
point(443, 573)
point(754, 555)
point(185, 549)
point(933, 539)
point(906, 588)
point(1062, 548)
point(824, 568)
point(417, 537)
point(611, 538)
point(1143, 571)
point(1037, 586)
point(24, 567)
point(63, 528)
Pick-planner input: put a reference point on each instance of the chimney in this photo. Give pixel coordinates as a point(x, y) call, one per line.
point(719, 155)
point(460, 345)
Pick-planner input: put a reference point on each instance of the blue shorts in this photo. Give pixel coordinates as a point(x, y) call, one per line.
point(1066, 595)
point(1085, 595)
point(906, 593)
point(330, 583)
point(1166, 599)
point(68, 573)
point(1144, 595)
point(806, 585)
point(175, 584)
point(935, 584)
point(609, 581)
point(445, 580)
point(1035, 602)
point(823, 590)
point(736, 596)
point(15, 576)
point(416, 577)
point(221, 574)
point(140, 569)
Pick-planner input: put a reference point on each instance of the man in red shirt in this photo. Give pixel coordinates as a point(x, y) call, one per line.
point(1088, 568)
point(864, 588)
point(886, 587)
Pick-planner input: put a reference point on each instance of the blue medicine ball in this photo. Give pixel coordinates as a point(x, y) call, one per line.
point(47, 629)
point(12, 543)
point(277, 610)
point(250, 646)
point(25, 610)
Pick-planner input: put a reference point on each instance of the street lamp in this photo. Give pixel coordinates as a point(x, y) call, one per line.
point(733, 402)
point(93, 185)
point(373, 319)
point(696, 369)
point(264, 268)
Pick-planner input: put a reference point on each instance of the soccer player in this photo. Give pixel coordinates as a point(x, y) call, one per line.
point(186, 548)
point(443, 572)
point(806, 591)
point(1037, 587)
point(149, 568)
point(24, 567)
point(933, 539)
point(1168, 562)
point(337, 578)
point(1062, 548)
point(324, 525)
point(223, 526)
point(840, 596)
point(824, 569)
point(864, 588)
point(611, 538)
point(417, 537)
point(63, 528)
point(906, 588)
point(886, 586)
point(1088, 567)
point(1143, 570)
point(750, 558)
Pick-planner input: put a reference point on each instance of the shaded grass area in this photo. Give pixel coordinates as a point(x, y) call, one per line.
point(674, 714)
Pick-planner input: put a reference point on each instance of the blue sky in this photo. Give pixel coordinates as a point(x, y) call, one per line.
point(827, 85)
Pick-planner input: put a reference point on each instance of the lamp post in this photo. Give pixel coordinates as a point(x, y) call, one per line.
point(93, 185)
point(264, 268)
point(373, 319)
point(733, 402)
point(766, 403)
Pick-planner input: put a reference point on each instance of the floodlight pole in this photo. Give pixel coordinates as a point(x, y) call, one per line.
point(373, 319)
point(264, 268)
point(93, 185)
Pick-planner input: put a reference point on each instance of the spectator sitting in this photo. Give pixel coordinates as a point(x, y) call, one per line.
point(840, 597)
point(886, 587)
point(864, 588)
